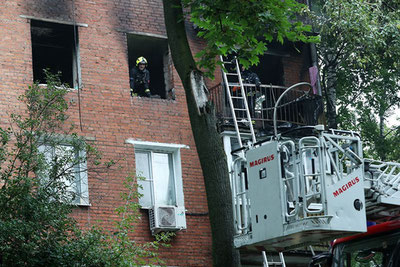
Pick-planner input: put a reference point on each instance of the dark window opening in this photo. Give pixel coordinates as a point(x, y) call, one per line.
point(54, 47)
point(270, 70)
point(159, 63)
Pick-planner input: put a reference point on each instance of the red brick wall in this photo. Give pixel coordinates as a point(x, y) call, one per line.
point(108, 113)
point(296, 66)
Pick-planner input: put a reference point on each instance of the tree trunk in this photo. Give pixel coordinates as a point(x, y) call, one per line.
point(208, 141)
point(381, 141)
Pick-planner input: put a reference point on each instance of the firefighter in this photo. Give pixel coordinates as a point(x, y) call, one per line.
point(140, 78)
point(252, 95)
point(250, 77)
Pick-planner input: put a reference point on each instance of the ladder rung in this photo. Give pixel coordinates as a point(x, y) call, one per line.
point(313, 195)
point(233, 74)
point(228, 62)
point(240, 109)
point(313, 174)
point(237, 97)
point(267, 263)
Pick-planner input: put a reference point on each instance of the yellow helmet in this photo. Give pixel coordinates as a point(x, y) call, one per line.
point(141, 60)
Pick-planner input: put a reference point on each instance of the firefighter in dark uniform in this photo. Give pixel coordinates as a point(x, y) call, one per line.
point(140, 78)
point(252, 78)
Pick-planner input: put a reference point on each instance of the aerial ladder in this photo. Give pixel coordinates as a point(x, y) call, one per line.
point(299, 190)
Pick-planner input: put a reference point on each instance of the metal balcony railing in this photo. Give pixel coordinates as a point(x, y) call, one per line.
point(298, 107)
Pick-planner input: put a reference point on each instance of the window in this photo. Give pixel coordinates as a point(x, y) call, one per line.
point(159, 166)
point(270, 70)
point(158, 170)
point(55, 47)
point(159, 63)
point(68, 165)
point(380, 249)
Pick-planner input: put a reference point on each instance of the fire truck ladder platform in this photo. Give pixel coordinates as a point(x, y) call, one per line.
point(292, 192)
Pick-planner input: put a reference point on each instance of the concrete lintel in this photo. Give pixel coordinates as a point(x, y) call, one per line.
point(144, 34)
point(143, 144)
point(55, 21)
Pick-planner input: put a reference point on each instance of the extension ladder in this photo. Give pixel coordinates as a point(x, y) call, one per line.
point(273, 263)
point(237, 96)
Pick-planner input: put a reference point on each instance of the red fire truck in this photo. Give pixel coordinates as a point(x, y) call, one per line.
point(379, 246)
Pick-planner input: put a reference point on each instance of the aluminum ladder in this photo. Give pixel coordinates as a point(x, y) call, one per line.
point(273, 263)
point(237, 100)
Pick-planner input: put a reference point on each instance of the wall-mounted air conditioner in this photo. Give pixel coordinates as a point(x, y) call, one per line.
point(166, 218)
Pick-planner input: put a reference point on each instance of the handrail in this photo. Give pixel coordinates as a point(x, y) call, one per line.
point(290, 109)
point(239, 198)
point(279, 99)
point(312, 143)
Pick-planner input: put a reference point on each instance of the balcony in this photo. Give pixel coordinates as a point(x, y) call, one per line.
point(299, 107)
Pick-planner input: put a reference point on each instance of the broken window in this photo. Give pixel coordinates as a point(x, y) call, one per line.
point(55, 47)
point(159, 65)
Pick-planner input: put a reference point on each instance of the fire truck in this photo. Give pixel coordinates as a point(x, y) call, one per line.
point(379, 246)
point(306, 186)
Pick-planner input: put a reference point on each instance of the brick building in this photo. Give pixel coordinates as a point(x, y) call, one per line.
point(95, 57)
point(95, 44)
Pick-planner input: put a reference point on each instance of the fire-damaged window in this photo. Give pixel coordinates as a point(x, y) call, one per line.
point(270, 70)
point(150, 67)
point(55, 47)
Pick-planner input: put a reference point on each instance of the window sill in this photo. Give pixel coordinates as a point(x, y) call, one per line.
point(150, 97)
point(145, 98)
point(78, 205)
point(60, 87)
point(83, 205)
point(155, 145)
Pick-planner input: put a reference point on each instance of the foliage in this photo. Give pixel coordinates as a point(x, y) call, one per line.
point(35, 204)
point(245, 28)
point(359, 51)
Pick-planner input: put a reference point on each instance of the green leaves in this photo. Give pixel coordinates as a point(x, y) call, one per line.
point(359, 51)
point(244, 28)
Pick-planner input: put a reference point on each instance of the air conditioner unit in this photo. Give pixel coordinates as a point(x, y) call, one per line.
point(166, 218)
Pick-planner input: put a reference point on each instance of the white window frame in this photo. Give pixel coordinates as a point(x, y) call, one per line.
point(148, 199)
point(81, 177)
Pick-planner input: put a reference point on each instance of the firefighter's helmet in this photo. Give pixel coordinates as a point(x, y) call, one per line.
point(141, 60)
